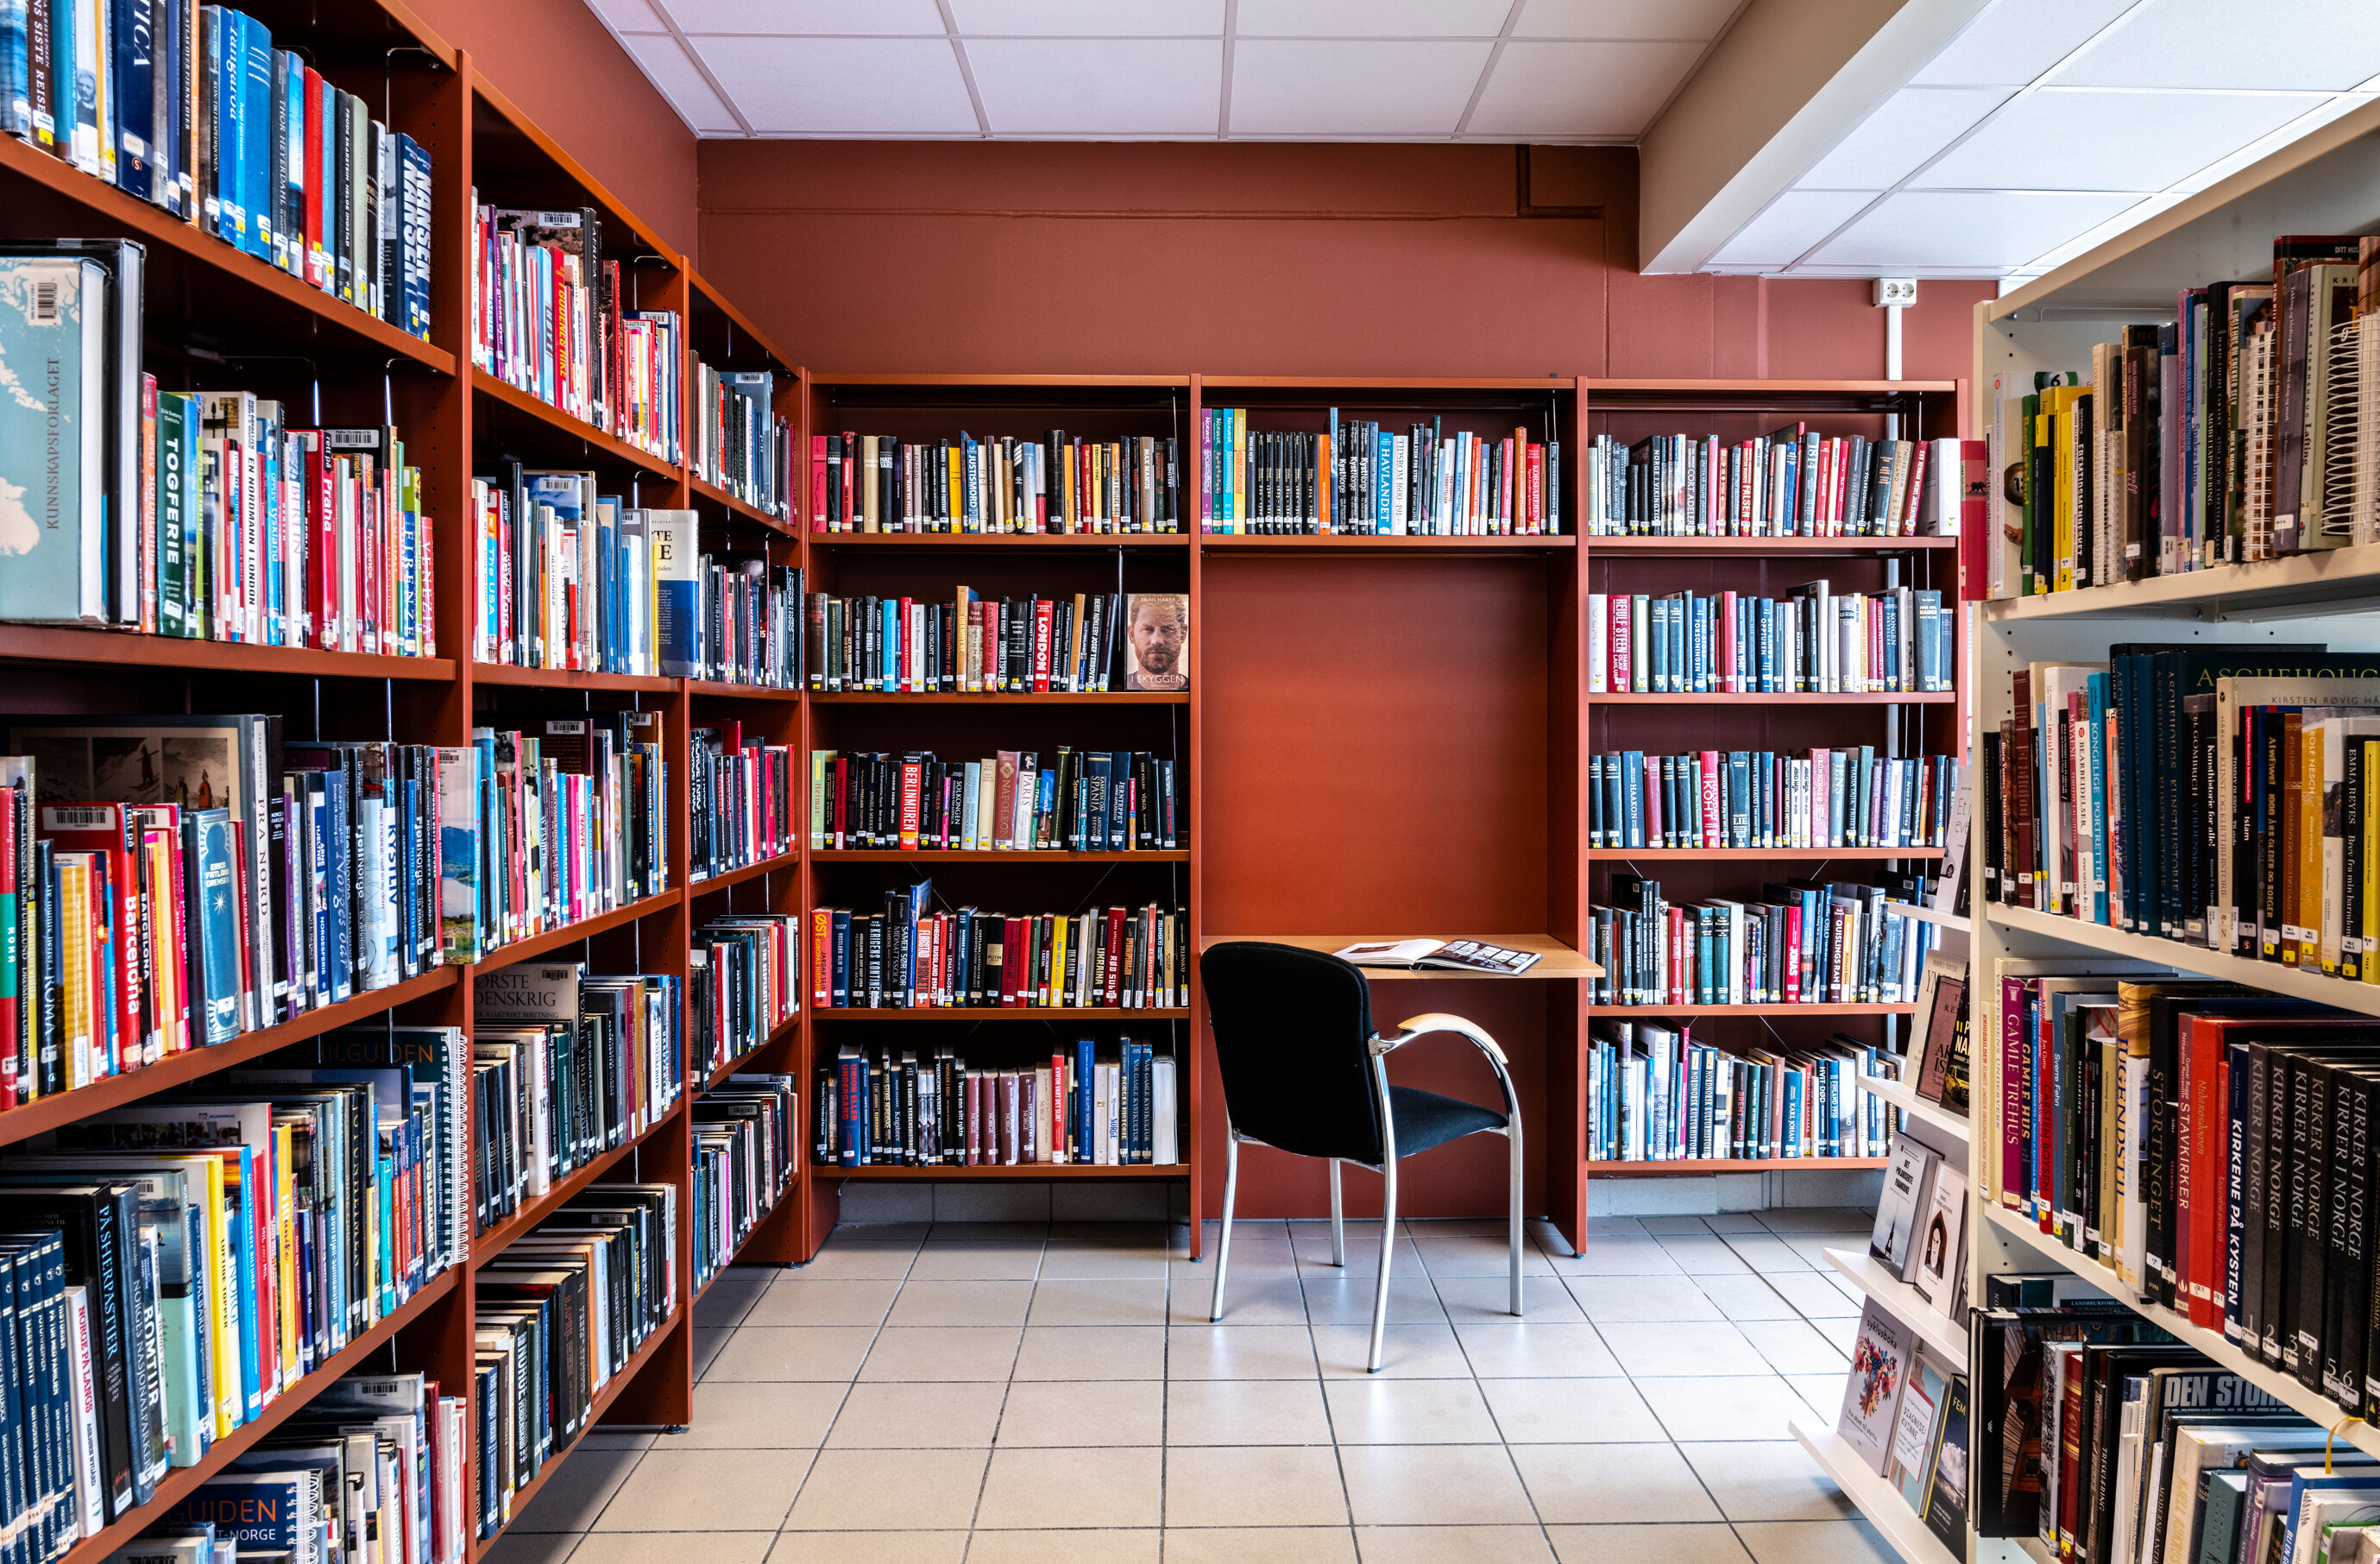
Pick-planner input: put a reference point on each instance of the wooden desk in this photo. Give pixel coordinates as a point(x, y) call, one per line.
point(1559, 960)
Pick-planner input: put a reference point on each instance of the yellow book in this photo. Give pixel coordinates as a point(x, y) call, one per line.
point(76, 940)
point(2307, 913)
point(1055, 991)
point(869, 519)
point(954, 490)
point(2059, 419)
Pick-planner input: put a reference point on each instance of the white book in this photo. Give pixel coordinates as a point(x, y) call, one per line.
point(1880, 1362)
point(1908, 1191)
point(1598, 649)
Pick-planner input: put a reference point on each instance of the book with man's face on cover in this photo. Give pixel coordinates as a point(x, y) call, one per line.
point(1157, 640)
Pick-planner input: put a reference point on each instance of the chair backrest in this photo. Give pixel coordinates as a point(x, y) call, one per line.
point(1292, 1029)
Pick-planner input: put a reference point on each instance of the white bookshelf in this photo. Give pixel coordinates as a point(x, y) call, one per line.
point(1872, 1495)
point(1901, 1095)
point(1945, 1338)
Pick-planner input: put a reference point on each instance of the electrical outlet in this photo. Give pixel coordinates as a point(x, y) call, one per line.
point(1896, 293)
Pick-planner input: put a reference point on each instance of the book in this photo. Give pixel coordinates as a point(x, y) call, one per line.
point(1157, 642)
point(1080, 800)
point(1814, 641)
point(738, 441)
point(963, 642)
point(1798, 942)
point(1356, 475)
point(1880, 1364)
point(1907, 1202)
point(1938, 1267)
point(909, 955)
point(1721, 799)
point(1656, 1094)
point(994, 484)
point(1089, 1103)
point(53, 447)
point(1793, 481)
point(1456, 955)
point(567, 335)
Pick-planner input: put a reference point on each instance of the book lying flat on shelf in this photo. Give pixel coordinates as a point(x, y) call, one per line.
point(1461, 955)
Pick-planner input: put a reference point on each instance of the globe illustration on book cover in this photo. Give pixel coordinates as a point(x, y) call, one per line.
point(1879, 1374)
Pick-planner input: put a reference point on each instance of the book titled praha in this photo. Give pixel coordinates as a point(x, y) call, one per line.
point(1460, 955)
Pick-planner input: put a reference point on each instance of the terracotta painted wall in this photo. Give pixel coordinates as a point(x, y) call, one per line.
point(1253, 259)
point(558, 61)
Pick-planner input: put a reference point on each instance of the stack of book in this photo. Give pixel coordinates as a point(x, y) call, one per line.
point(738, 441)
point(1813, 641)
point(747, 1131)
point(547, 318)
point(191, 106)
point(1801, 943)
point(559, 1312)
point(908, 956)
point(742, 800)
point(1082, 801)
point(565, 1067)
point(1000, 484)
point(2243, 431)
point(1107, 1104)
point(1792, 483)
point(1359, 477)
point(1655, 1095)
point(1753, 799)
point(967, 643)
point(573, 822)
point(747, 983)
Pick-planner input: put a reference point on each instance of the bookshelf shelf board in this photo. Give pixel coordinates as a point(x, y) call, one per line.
point(1005, 1012)
point(69, 643)
point(1659, 545)
point(706, 297)
point(783, 1029)
point(177, 1069)
point(2274, 1382)
point(874, 855)
point(498, 1239)
point(1689, 1167)
point(1764, 855)
point(1780, 388)
point(1899, 1095)
point(726, 878)
point(960, 1172)
point(1233, 543)
point(2347, 579)
point(1048, 697)
point(645, 1353)
point(1889, 698)
point(1649, 1011)
point(704, 489)
point(560, 428)
point(182, 1481)
point(1941, 1335)
point(1928, 915)
point(825, 382)
point(1556, 959)
point(568, 678)
point(571, 933)
point(720, 690)
point(998, 540)
point(1876, 1499)
point(2360, 997)
point(261, 297)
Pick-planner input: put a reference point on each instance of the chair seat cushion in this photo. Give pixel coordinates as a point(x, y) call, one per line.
point(1425, 1120)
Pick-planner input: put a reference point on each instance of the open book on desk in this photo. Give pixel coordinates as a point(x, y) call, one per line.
point(1457, 955)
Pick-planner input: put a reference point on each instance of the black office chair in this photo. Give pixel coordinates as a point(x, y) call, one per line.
point(1305, 1072)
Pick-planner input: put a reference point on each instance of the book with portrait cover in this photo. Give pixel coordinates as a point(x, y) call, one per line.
point(1157, 640)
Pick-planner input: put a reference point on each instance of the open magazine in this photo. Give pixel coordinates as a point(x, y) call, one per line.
point(1460, 955)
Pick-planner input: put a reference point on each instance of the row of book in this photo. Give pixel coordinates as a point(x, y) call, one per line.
point(741, 796)
point(2241, 431)
point(2220, 797)
point(738, 442)
point(746, 1134)
point(971, 644)
point(1357, 476)
point(1909, 1415)
point(549, 317)
point(1106, 1104)
point(1920, 1236)
point(1655, 1095)
point(1801, 942)
point(371, 1469)
point(191, 107)
point(909, 956)
point(566, 1066)
point(181, 1264)
point(1813, 641)
point(999, 483)
point(1792, 483)
point(573, 822)
point(1082, 801)
point(557, 1314)
point(566, 577)
point(747, 983)
point(1728, 799)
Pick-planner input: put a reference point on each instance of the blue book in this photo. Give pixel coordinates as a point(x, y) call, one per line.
point(258, 124)
point(2094, 710)
point(413, 235)
point(15, 69)
point(263, 1511)
point(53, 340)
point(1384, 479)
point(1085, 1100)
point(132, 94)
point(1631, 807)
point(209, 847)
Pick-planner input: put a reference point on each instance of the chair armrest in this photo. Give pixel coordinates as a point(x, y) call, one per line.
point(1437, 1020)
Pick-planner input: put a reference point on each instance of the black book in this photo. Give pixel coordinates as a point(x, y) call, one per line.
point(98, 1220)
point(2347, 1244)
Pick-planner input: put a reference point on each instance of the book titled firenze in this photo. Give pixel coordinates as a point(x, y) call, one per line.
point(1355, 477)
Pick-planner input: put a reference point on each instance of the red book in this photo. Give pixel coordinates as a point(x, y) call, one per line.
point(318, 196)
point(845, 477)
point(1012, 957)
point(913, 798)
point(1728, 681)
point(1111, 959)
point(110, 831)
point(1905, 523)
point(835, 802)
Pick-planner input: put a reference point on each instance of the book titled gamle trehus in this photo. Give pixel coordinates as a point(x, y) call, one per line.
point(1459, 955)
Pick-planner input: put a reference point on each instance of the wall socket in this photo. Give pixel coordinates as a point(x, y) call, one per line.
point(1896, 293)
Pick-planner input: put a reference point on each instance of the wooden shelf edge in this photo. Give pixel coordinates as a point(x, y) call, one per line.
point(1771, 855)
point(64, 1107)
point(1944, 1339)
point(571, 933)
point(513, 675)
point(1373, 542)
point(486, 1246)
point(2360, 997)
point(736, 876)
point(722, 688)
point(1636, 543)
point(704, 488)
point(600, 442)
point(998, 540)
point(1729, 698)
point(1052, 697)
point(77, 643)
point(1649, 1011)
point(2338, 575)
point(1019, 1012)
point(792, 1183)
point(777, 1034)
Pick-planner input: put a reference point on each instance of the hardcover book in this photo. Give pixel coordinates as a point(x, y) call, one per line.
point(1880, 1361)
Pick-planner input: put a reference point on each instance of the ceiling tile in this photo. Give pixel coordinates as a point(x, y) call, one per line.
point(2011, 42)
point(1090, 19)
point(1906, 129)
point(2107, 140)
point(843, 86)
point(1094, 87)
point(681, 84)
point(791, 18)
point(1372, 18)
point(1624, 18)
point(1580, 88)
point(2303, 44)
point(629, 15)
point(1281, 88)
point(1989, 231)
point(1793, 222)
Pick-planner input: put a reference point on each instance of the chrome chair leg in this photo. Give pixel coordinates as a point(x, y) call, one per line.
point(1388, 1245)
point(1338, 1220)
point(1512, 1134)
point(1231, 1195)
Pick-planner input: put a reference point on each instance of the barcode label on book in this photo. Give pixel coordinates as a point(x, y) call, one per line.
point(67, 818)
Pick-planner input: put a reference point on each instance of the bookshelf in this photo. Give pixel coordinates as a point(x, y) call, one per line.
point(219, 319)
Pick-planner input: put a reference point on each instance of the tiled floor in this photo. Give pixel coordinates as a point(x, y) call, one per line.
point(980, 1393)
